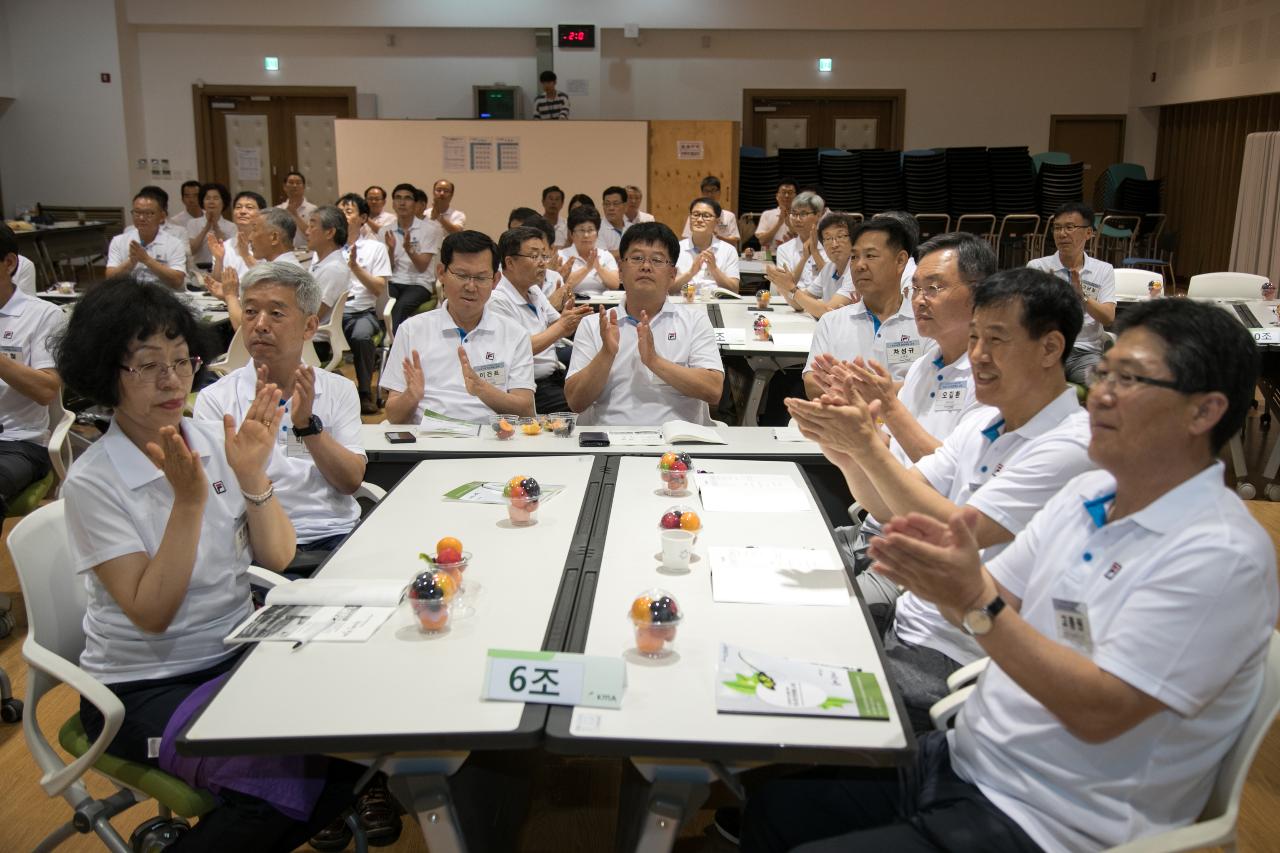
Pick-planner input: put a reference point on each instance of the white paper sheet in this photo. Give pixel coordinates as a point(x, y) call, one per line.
point(798, 341)
point(797, 576)
point(634, 438)
point(751, 493)
point(731, 336)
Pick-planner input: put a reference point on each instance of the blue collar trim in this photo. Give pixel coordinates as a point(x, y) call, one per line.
point(1097, 508)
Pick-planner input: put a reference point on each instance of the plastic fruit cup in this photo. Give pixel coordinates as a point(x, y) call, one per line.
point(530, 426)
point(562, 423)
point(690, 292)
point(455, 570)
point(504, 426)
point(432, 616)
point(522, 511)
point(675, 483)
point(762, 333)
point(762, 299)
point(652, 639)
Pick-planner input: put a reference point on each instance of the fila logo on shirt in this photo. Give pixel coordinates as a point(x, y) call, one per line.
point(219, 487)
point(8, 334)
point(671, 336)
point(488, 356)
point(1113, 571)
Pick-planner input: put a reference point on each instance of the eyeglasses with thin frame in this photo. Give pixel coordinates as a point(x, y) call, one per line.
point(1123, 381)
point(702, 216)
point(930, 291)
point(835, 237)
point(657, 263)
point(477, 280)
point(144, 214)
point(1069, 229)
point(535, 258)
point(585, 230)
point(797, 213)
point(151, 372)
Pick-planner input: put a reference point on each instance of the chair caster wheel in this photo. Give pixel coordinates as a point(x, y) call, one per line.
point(6, 624)
point(156, 834)
point(11, 710)
point(1273, 492)
point(1246, 491)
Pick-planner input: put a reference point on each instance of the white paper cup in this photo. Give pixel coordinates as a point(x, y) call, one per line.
point(677, 548)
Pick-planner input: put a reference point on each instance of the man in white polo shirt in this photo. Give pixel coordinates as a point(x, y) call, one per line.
point(28, 380)
point(727, 224)
point(880, 326)
point(150, 253)
point(519, 298)
point(1093, 282)
point(272, 237)
point(802, 257)
point(379, 217)
point(633, 214)
point(190, 206)
point(773, 229)
point(705, 260)
point(647, 361)
point(613, 203)
point(912, 227)
point(412, 247)
point(441, 213)
point(326, 235)
point(1128, 628)
point(463, 360)
point(369, 270)
point(319, 461)
point(552, 204)
point(1005, 464)
point(296, 205)
point(832, 286)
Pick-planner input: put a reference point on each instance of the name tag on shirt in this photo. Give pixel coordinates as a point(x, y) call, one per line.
point(1089, 289)
point(294, 447)
point(495, 373)
point(902, 352)
point(12, 352)
point(950, 396)
point(242, 535)
point(1072, 619)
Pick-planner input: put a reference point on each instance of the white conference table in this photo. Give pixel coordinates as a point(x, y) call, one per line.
point(210, 309)
point(668, 723)
point(792, 333)
point(404, 693)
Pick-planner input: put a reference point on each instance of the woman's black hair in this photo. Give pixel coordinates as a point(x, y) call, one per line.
point(107, 321)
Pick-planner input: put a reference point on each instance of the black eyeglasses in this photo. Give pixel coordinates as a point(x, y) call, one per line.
point(1124, 380)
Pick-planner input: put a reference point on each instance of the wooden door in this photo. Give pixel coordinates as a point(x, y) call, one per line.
point(1095, 140)
point(822, 119)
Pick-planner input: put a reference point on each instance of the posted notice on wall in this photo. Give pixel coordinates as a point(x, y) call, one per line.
point(508, 150)
point(481, 151)
point(455, 153)
point(689, 149)
point(248, 164)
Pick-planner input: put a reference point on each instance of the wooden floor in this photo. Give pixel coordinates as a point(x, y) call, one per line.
point(574, 807)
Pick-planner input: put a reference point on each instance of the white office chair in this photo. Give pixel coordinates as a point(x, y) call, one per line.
point(236, 356)
point(1132, 283)
point(1216, 826)
point(1226, 285)
point(337, 340)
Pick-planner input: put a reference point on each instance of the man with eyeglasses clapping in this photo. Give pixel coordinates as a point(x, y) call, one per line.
point(1093, 281)
point(645, 362)
point(463, 360)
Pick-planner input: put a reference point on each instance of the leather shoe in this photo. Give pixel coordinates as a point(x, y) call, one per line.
point(378, 814)
point(334, 837)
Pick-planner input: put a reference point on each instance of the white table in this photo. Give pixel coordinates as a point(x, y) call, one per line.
point(765, 358)
point(402, 692)
point(668, 720)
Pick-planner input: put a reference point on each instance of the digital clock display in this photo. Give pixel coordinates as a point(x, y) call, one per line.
point(577, 35)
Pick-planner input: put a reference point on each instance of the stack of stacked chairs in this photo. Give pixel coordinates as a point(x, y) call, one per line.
point(1057, 184)
point(969, 181)
point(757, 180)
point(924, 178)
point(1013, 190)
point(1137, 195)
point(840, 179)
point(881, 181)
point(799, 164)
point(1106, 187)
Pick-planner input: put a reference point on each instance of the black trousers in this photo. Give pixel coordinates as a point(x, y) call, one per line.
point(409, 298)
point(21, 464)
point(240, 822)
point(360, 328)
point(924, 807)
point(548, 394)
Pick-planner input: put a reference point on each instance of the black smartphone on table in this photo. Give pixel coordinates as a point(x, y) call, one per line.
point(401, 437)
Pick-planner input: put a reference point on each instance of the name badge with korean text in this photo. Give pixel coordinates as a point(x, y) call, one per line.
point(950, 396)
point(242, 535)
point(903, 351)
point(294, 447)
point(554, 678)
point(495, 373)
point(12, 352)
point(1090, 289)
point(1072, 619)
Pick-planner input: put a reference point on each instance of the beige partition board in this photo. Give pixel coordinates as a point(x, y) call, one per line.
point(681, 154)
point(495, 165)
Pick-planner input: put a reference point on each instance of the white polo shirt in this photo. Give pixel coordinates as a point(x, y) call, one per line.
point(165, 248)
point(457, 217)
point(591, 283)
point(633, 395)
point(1097, 280)
point(304, 210)
point(788, 255)
point(726, 260)
point(498, 349)
point(226, 230)
point(533, 315)
point(376, 225)
point(334, 279)
point(937, 395)
point(641, 216)
point(24, 278)
point(180, 219)
point(1008, 477)
point(26, 324)
point(726, 227)
point(610, 237)
point(372, 256)
point(1179, 601)
point(421, 240)
point(767, 220)
point(829, 281)
point(562, 232)
point(907, 272)
point(854, 331)
point(117, 503)
point(232, 259)
point(316, 509)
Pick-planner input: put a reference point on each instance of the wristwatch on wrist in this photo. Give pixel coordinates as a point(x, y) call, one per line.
point(978, 622)
point(314, 427)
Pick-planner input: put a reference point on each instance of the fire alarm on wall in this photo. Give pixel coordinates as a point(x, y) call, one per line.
point(104, 77)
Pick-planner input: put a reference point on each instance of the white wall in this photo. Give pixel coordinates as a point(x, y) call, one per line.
point(6, 67)
point(64, 135)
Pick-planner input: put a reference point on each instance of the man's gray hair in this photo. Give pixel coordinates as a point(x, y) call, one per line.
point(809, 200)
point(974, 257)
point(281, 221)
point(305, 289)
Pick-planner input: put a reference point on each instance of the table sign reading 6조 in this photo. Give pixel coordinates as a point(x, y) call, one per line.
point(554, 678)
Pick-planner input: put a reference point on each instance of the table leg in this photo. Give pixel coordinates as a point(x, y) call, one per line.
point(762, 370)
point(656, 800)
point(427, 796)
